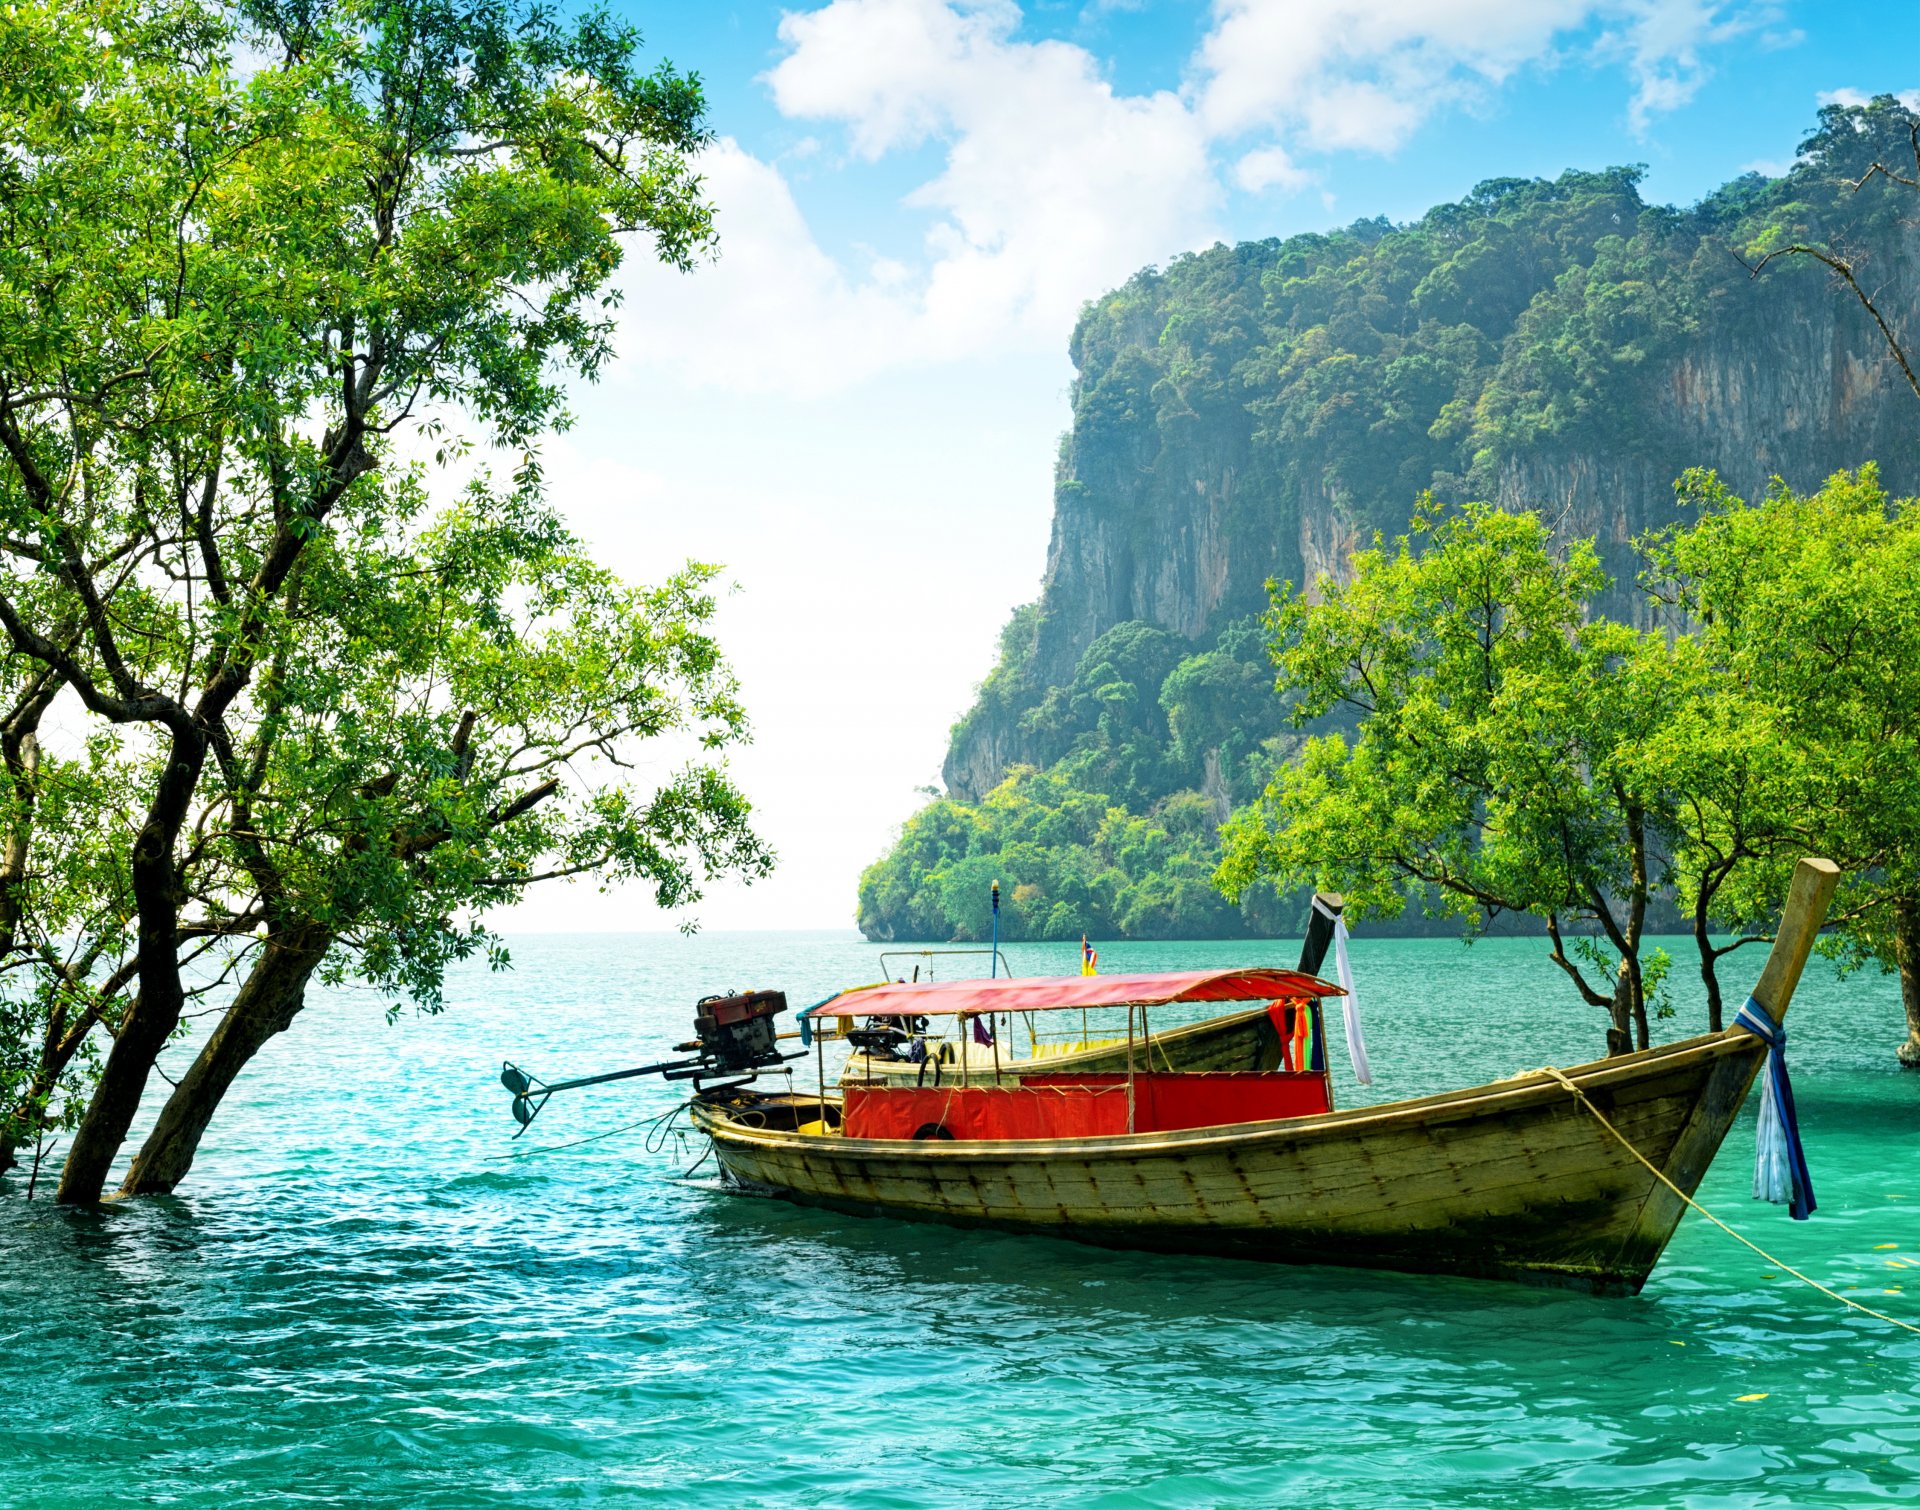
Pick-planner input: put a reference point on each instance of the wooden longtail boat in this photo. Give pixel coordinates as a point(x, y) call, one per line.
point(1519, 1179)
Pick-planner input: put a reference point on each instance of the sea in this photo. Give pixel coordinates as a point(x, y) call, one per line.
point(370, 1293)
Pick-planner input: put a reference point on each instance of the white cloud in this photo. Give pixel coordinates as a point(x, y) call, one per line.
point(1053, 189)
point(1054, 186)
point(1321, 66)
point(1343, 74)
point(775, 313)
point(1269, 168)
point(1853, 99)
point(1662, 41)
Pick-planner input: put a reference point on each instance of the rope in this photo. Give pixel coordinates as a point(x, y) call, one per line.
point(658, 1117)
point(1660, 1175)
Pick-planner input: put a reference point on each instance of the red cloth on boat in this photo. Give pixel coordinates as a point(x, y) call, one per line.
point(986, 1111)
point(1281, 1015)
point(1070, 1105)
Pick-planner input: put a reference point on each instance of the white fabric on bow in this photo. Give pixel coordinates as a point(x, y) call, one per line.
point(1350, 1003)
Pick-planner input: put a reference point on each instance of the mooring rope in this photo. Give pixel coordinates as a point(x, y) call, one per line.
point(1660, 1175)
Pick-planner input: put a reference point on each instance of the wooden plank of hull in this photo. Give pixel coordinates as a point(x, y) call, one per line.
point(1512, 1180)
point(1238, 1041)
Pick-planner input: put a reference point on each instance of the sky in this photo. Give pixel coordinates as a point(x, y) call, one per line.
point(854, 409)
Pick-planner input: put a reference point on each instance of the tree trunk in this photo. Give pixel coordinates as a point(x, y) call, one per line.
point(1630, 1002)
point(1620, 1029)
point(1709, 974)
point(154, 1016)
point(1906, 951)
point(268, 1000)
point(1636, 921)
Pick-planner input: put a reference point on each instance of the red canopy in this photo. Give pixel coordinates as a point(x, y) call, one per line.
point(976, 998)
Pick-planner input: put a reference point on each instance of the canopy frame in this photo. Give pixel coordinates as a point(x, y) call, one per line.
point(967, 999)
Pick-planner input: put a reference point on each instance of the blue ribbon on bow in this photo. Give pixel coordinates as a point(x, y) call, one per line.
point(1780, 1163)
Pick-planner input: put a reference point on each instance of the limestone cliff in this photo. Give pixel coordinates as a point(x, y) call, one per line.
point(1260, 412)
point(1256, 412)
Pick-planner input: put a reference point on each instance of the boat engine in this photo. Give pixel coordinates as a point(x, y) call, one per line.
point(733, 1035)
point(735, 1032)
point(895, 1038)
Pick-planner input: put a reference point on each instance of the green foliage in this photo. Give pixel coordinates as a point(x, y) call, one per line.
point(243, 245)
point(1114, 836)
point(1808, 610)
point(1069, 861)
point(1516, 750)
point(1496, 759)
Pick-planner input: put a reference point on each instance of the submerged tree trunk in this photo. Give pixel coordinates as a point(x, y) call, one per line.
point(151, 1022)
point(268, 1000)
point(1906, 950)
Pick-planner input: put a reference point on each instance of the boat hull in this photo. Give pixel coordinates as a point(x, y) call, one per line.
point(1515, 1180)
point(1237, 1041)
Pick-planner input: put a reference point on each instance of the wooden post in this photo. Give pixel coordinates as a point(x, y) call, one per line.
point(1129, 1066)
point(1313, 948)
point(1807, 901)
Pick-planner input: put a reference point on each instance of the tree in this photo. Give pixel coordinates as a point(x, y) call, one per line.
point(1494, 766)
point(409, 769)
point(1808, 606)
point(224, 291)
point(1733, 793)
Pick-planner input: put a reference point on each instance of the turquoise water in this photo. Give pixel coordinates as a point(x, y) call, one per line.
point(369, 1296)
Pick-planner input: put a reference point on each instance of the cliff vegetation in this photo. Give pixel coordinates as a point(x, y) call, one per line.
point(1259, 413)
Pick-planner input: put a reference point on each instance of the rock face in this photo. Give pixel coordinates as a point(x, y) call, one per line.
point(1259, 412)
point(1800, 391)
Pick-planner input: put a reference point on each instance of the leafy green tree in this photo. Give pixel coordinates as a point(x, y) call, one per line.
point(1808, 608)
point(1733, 793)
point(446, 729)
point(1493, 764)
point(224, 289)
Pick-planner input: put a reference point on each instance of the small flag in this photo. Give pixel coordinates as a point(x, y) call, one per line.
point(1089, 957)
